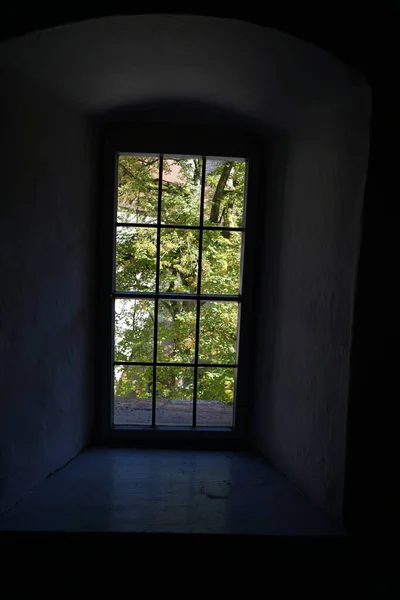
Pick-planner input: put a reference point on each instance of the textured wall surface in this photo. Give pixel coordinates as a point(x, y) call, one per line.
point(312, 238)
point(314, 178)
point(46, 274)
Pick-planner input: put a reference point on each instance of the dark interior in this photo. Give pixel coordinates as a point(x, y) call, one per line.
point(319, 105)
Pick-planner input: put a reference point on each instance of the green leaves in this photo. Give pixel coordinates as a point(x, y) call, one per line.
point(134, 330)
point(135, 271)
point(216, 384)
point(176, 331)
point(179, 260)
point(221, 262)
point(218, 323)
point(137, 193)
point(181, 193)
point(135, 267)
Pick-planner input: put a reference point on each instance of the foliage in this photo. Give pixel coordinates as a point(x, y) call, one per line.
point(136, 251)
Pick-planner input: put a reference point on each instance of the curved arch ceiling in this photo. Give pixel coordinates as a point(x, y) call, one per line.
point(101, 64)
point(329, 27)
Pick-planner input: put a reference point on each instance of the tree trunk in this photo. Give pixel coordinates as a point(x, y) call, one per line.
point(219, 192)
point(197, 170)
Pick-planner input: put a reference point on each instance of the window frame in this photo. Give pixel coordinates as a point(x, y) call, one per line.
point(173, 140)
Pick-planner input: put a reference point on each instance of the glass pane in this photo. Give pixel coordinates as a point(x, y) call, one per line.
point(218, 332)
point(221, 262)
point(224, 192)
point(134, 330)
point(136, 250)
point(179, 261)
point(215, 394)
point(181, 191)
point(137, 189)
point(132, 395)
point(176, 330)
point(174, 395)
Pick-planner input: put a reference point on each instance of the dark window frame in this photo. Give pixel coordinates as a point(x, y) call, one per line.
point(173, 140)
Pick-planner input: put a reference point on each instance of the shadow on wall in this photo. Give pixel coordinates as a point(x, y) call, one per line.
point(186, 112)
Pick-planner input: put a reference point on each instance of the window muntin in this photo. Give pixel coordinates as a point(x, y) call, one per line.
point(177, 289)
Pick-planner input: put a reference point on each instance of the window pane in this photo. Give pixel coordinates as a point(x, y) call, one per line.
point(133, 393)
point(179, 261)
point(134, 330)
point(174, 395)
point(224, 192)
point(137, 189)
point(181, 191)
point(218, 332)
point(221, 262)
point(136, 250)
point(176, 330)
point(215, 394)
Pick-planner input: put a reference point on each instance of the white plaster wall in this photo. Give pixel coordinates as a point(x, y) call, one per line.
point(46, 274)
point(315, 177)
point(312, 231)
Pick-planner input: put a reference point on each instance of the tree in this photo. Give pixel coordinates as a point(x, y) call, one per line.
point(138, 179)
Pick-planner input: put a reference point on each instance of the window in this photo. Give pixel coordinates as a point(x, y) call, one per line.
point(175, 295)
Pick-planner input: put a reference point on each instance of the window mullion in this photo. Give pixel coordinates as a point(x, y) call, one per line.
point(154, 391)
point(174, 364)
point(179, 296)
point(200, 257)
point(177, 226)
